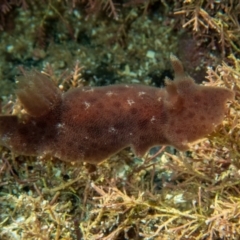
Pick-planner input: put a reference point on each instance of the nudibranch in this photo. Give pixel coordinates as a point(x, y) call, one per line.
point(93, 123)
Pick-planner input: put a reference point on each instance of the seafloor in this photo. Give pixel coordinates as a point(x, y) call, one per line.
point(174, 195)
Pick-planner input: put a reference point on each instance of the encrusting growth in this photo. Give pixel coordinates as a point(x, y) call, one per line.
point(92, 123)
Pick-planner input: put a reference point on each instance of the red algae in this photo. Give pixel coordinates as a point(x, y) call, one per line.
point(93, 123)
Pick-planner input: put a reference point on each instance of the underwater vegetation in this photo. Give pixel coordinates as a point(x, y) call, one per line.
point(174, 196)
point(164, 194)
point(215, 22)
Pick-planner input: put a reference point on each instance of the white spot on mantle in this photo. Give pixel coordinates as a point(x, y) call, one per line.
point(112, 130)
point(89, 90)
point(87, 105)
point(153, 119)
point(60, 125)
point(130, 102)
point(110, 93)
point(141, 93)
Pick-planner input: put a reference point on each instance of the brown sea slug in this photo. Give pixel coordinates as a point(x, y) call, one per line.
point(92, 123)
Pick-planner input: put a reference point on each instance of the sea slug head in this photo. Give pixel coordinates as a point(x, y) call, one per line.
point(194, 110)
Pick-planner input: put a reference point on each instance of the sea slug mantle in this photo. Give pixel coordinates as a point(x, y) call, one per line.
point(93, 123)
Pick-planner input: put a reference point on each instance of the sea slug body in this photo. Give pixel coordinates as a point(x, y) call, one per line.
point(93, 123)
